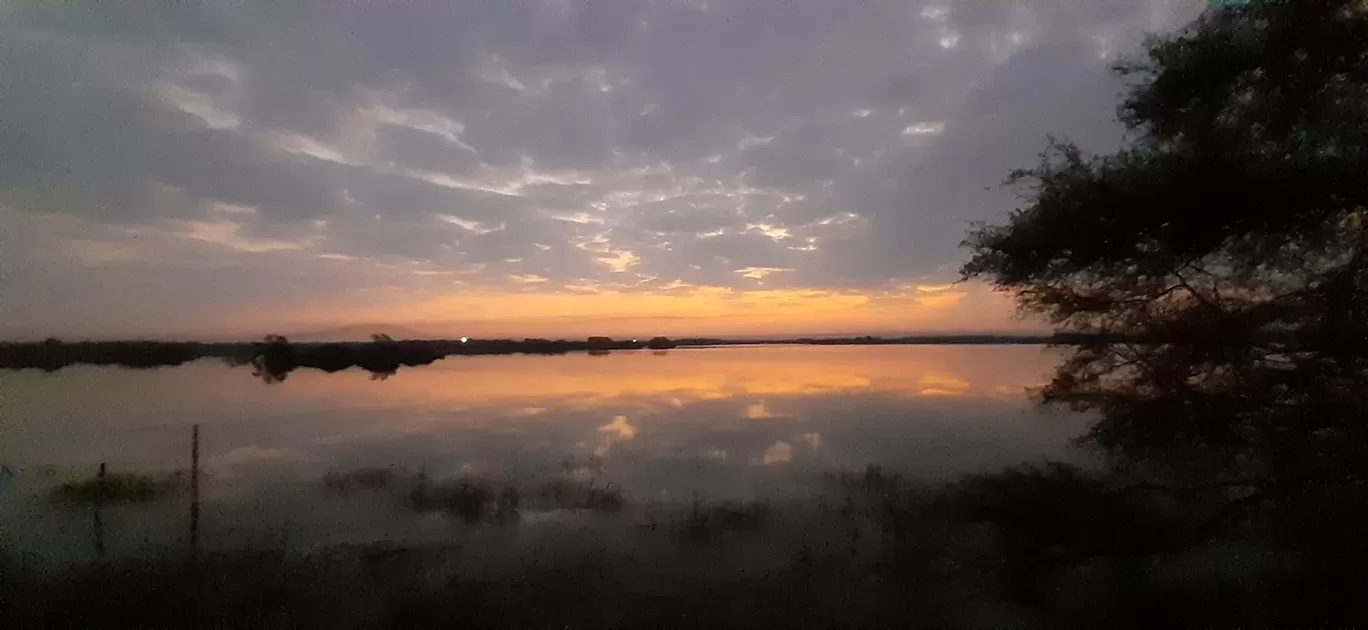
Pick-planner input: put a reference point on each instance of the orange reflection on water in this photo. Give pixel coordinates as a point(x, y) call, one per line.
point(532, 384)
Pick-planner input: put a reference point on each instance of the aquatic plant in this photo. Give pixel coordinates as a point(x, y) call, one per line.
point(704, 524)
point(362, 479)
point(122, 487)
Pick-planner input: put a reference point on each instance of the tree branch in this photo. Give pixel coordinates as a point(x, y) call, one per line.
point(1209, 527)
point(1196, 294)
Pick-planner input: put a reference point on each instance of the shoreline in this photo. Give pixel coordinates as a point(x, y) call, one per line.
point(280, 356)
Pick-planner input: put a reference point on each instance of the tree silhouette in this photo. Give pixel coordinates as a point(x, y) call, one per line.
point(274, 359)
point(1220, 261)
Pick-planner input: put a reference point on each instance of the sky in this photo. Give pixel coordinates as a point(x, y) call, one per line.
point(531, 168)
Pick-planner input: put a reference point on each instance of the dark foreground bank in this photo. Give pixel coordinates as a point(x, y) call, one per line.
point(1040, 547)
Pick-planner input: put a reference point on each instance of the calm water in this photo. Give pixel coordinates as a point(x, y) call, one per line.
point(717, 423)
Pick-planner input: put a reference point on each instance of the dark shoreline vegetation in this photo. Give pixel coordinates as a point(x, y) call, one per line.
point(276, 356)
point(1045, 546)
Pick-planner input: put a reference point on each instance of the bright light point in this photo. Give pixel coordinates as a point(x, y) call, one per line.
point(465, 339)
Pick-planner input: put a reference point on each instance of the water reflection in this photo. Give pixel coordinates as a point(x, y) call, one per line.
point(698, 374)
point(717, 423)
point(934, 410)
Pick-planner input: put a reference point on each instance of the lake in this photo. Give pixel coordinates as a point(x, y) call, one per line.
point(702, 424)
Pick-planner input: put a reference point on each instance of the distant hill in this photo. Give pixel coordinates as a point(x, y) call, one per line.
point(360, 333)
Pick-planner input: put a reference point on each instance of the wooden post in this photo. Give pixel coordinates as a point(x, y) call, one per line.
point(99, 517)
point(194, 492)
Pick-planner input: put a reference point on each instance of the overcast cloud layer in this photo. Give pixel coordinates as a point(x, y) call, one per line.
point(237, 165)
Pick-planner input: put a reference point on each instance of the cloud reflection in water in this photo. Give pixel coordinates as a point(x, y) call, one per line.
point(657, 420)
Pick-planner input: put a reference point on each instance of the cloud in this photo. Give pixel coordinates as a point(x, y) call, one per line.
point(780, 452)
point(619, 428)
point(758, 411)
point(312, 157)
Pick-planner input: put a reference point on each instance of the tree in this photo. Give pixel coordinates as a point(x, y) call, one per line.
point(381, 338)
point(1220, 263)
point(274, 359)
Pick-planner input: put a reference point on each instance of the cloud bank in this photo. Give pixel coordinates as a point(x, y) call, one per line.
point(538, 166)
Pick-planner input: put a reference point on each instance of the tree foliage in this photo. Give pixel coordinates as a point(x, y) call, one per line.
point(1221, 258)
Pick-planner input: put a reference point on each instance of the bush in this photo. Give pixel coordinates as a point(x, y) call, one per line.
point(121, 487)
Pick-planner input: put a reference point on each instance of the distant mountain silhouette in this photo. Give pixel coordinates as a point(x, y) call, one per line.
point(362, 332)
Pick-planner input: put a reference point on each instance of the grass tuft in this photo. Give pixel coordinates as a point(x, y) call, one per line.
point(121, 488)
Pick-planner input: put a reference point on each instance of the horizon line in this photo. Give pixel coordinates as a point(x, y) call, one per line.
point(732, 338)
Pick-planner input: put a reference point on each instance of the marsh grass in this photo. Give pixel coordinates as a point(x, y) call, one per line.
point(477, 500)
point(1051, 539)
point(712, 523)
point(400, 588)
point(122, 488)
point(471, 500)
point(1027, 538)
point(572, 494)
point(346, 482)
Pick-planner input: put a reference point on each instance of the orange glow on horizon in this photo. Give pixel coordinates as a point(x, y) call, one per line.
point(690, 311)
point(530, 387)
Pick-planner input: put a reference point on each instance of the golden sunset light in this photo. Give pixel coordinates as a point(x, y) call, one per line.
point(683, 313)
